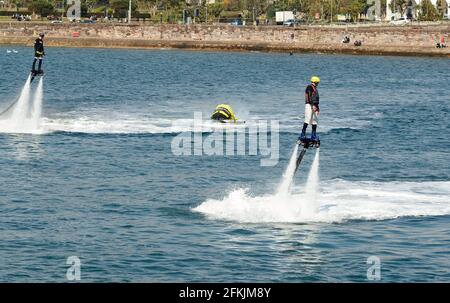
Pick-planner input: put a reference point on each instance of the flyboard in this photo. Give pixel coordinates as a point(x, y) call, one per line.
point(306, 144)
point(33, 75)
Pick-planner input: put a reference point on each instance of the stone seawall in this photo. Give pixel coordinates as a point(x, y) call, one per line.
point(414, 40)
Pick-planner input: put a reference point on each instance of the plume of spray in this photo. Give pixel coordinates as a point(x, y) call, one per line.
point(24, 115)
point(20, 109)
point(36, 109)
point(310, 205)
point(286, 180)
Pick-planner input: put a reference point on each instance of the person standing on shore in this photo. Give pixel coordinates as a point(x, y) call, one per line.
point(38, 54)
point(311, 109)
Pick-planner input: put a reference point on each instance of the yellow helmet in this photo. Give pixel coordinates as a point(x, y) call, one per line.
point(315, 79)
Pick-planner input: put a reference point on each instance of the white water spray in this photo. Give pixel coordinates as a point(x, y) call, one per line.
point(20, 109)
point(283, 188)
point(310, 204)
point(24, 116)
point(36, 109)
point(283, 206)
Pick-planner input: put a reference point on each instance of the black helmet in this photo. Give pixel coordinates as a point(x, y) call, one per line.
point(41, 35)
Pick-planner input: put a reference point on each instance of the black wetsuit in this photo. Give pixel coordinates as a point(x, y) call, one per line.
point(38, 53)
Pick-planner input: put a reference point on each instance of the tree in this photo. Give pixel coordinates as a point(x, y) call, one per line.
point(441, 8)
point(399, 6)
point(232, 5)
point(147, 6)
point(353, 7)
point(120, 7)
point(90, 4)
point(15, 4)
point(427, 11)
point(255, 6)
point(383, 7)
point(216, 8)
point(41, 7)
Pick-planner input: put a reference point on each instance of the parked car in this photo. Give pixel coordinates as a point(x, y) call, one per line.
point(88, 21)
point(290, 22)
point(400, 21)
point(236, 22)
point(52, 17)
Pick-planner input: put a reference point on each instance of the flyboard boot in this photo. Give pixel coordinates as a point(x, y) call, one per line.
point(315, 141)
point(301, 138)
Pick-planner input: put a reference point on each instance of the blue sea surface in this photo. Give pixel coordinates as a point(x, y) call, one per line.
point(99, 179)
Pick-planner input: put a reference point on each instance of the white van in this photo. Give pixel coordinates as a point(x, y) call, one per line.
point(400, 21)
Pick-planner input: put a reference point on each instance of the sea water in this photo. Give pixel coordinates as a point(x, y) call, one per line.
point(99, 180)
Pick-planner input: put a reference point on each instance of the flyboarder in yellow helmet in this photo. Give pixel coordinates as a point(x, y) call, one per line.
point(311, 109)
point(223, 113)
point(311, 113)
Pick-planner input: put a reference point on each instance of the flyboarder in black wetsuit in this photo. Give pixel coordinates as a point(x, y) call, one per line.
point(39, 54)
